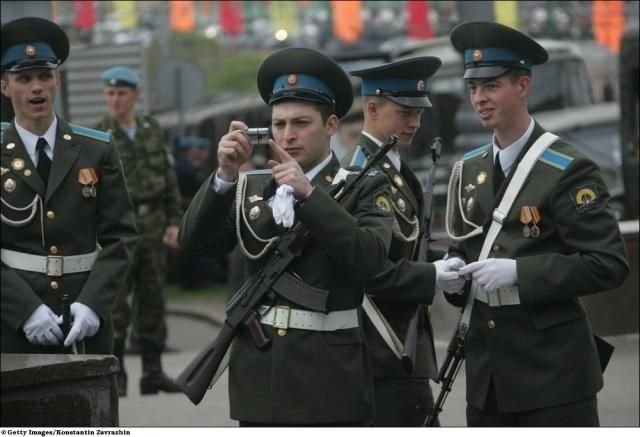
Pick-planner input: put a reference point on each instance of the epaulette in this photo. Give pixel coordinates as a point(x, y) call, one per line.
point(90, 133)
point(359, 158)
point(556, 159)
point(4, 125)
point(475, 152)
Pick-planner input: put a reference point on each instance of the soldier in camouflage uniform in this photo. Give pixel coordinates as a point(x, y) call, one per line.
point(153, 188)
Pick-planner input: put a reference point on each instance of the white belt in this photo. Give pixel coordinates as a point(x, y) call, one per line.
point(283, 317)
point(52, 265)
point(499, 297)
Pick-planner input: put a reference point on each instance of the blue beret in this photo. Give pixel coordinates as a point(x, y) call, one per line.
point(491, 49)
point(404, 82)
point(197, 142)
point(33, 42)
point(120, 76)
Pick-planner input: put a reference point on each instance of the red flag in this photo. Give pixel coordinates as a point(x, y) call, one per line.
point(231, 17)
point(418, 22)
point(85, 14)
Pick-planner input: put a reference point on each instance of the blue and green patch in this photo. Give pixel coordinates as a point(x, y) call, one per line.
point(475, 152)
point(90, 133)
point(556, 159)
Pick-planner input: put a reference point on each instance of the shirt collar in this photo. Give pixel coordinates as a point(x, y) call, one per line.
point(393, 154)
point(318, 168)
point(509, 154)
point(29, 139)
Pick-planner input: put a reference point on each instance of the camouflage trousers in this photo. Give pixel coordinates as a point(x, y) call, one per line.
point(145, 285)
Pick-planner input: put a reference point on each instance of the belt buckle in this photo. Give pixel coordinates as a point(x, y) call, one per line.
point(54, 265)
point(281, 319)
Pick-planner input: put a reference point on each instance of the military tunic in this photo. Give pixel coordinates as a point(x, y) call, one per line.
point(305, 376)
point(69, 223)
point(153, 187)
point(400, 288)
point(541, 352)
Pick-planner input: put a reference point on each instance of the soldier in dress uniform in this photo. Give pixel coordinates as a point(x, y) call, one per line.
point(315, 371)
point(394, 98)
point(152, 183)
point(67, 220)
point(531, 358)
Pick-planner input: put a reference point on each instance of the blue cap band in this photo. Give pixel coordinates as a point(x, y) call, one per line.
point(305, 84)
point(18, 54)
point(397, 87)
point(495, 56)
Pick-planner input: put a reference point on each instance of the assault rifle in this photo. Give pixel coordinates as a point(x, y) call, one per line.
point(261, 288)
point(411, 339)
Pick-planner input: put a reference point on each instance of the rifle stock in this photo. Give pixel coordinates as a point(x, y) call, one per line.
point(258, 289)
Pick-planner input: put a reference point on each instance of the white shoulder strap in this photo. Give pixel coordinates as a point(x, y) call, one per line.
point(500, 213)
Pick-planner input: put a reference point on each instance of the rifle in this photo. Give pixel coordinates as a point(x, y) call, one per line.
point(409, 348)
point(261, 288)
point(448, 372)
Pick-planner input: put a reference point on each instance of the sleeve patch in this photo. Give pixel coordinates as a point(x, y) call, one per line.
point(382, 203)
point(586, 197)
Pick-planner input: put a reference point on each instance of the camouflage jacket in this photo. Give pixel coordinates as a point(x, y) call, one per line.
point(148, 168)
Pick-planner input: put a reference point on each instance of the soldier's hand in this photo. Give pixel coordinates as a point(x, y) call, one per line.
point(447, 277)
point(42, 328)
point(85, 323)
point(492, 273)
point(287, 171)
point(234, 149)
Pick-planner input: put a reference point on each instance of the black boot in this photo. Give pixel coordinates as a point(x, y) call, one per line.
point(121, 377)
point(153, 378)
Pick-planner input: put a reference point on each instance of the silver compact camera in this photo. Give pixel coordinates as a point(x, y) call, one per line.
point(258, 135)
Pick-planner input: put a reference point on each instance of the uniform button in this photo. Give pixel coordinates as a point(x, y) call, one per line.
point(495, 247)
point(51, 214)
point(54, 285)
point(491, 324)
point(53, 249)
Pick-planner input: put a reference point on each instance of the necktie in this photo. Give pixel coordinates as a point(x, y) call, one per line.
point(44, 163)
point(498, 174)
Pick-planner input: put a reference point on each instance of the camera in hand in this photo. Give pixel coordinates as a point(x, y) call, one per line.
point(258, 135)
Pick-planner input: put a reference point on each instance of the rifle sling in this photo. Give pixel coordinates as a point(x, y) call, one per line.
point(300, 293)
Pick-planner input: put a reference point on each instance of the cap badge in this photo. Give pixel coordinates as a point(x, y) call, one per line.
point(113, 82)
point(477, 55)
point(292, 79)
point(30, 51)
point(420, 85)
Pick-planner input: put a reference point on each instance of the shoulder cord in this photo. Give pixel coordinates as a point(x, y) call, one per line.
point(397, 232)
point(454, 182)
point(240, 194)
point(37, 200)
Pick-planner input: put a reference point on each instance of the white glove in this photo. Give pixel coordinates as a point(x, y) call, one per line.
point(447, 278)
point(493, 273)
point(282, 206)
point(85, 323)
point(42, 328)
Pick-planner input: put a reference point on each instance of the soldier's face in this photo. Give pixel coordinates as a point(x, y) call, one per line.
point(298, 127)
point(32, 93)
point(121, 100)
point(498, 101)
point(390, 118)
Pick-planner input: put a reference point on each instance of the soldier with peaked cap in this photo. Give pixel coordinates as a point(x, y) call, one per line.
point(153, 187)
point(394, 98)
point(67, 221)
point(531, 357)
point(315, 370)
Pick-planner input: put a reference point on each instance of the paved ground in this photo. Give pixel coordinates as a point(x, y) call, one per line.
point(190, 328)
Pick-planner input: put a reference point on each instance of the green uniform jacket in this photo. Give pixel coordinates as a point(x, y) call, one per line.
point(151, 178)
point(541, 352)
point(71, 225)
point(403, 284)
point(303, 377)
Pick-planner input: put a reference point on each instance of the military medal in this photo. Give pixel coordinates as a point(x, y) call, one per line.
point(254, 212)
point(469, 205)
point(535, 217)
point(482, 177)
point(525, 218)
point(88, 177)
point(469, 188)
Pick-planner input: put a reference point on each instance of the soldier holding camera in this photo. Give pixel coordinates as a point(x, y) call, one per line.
point(313, 369)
